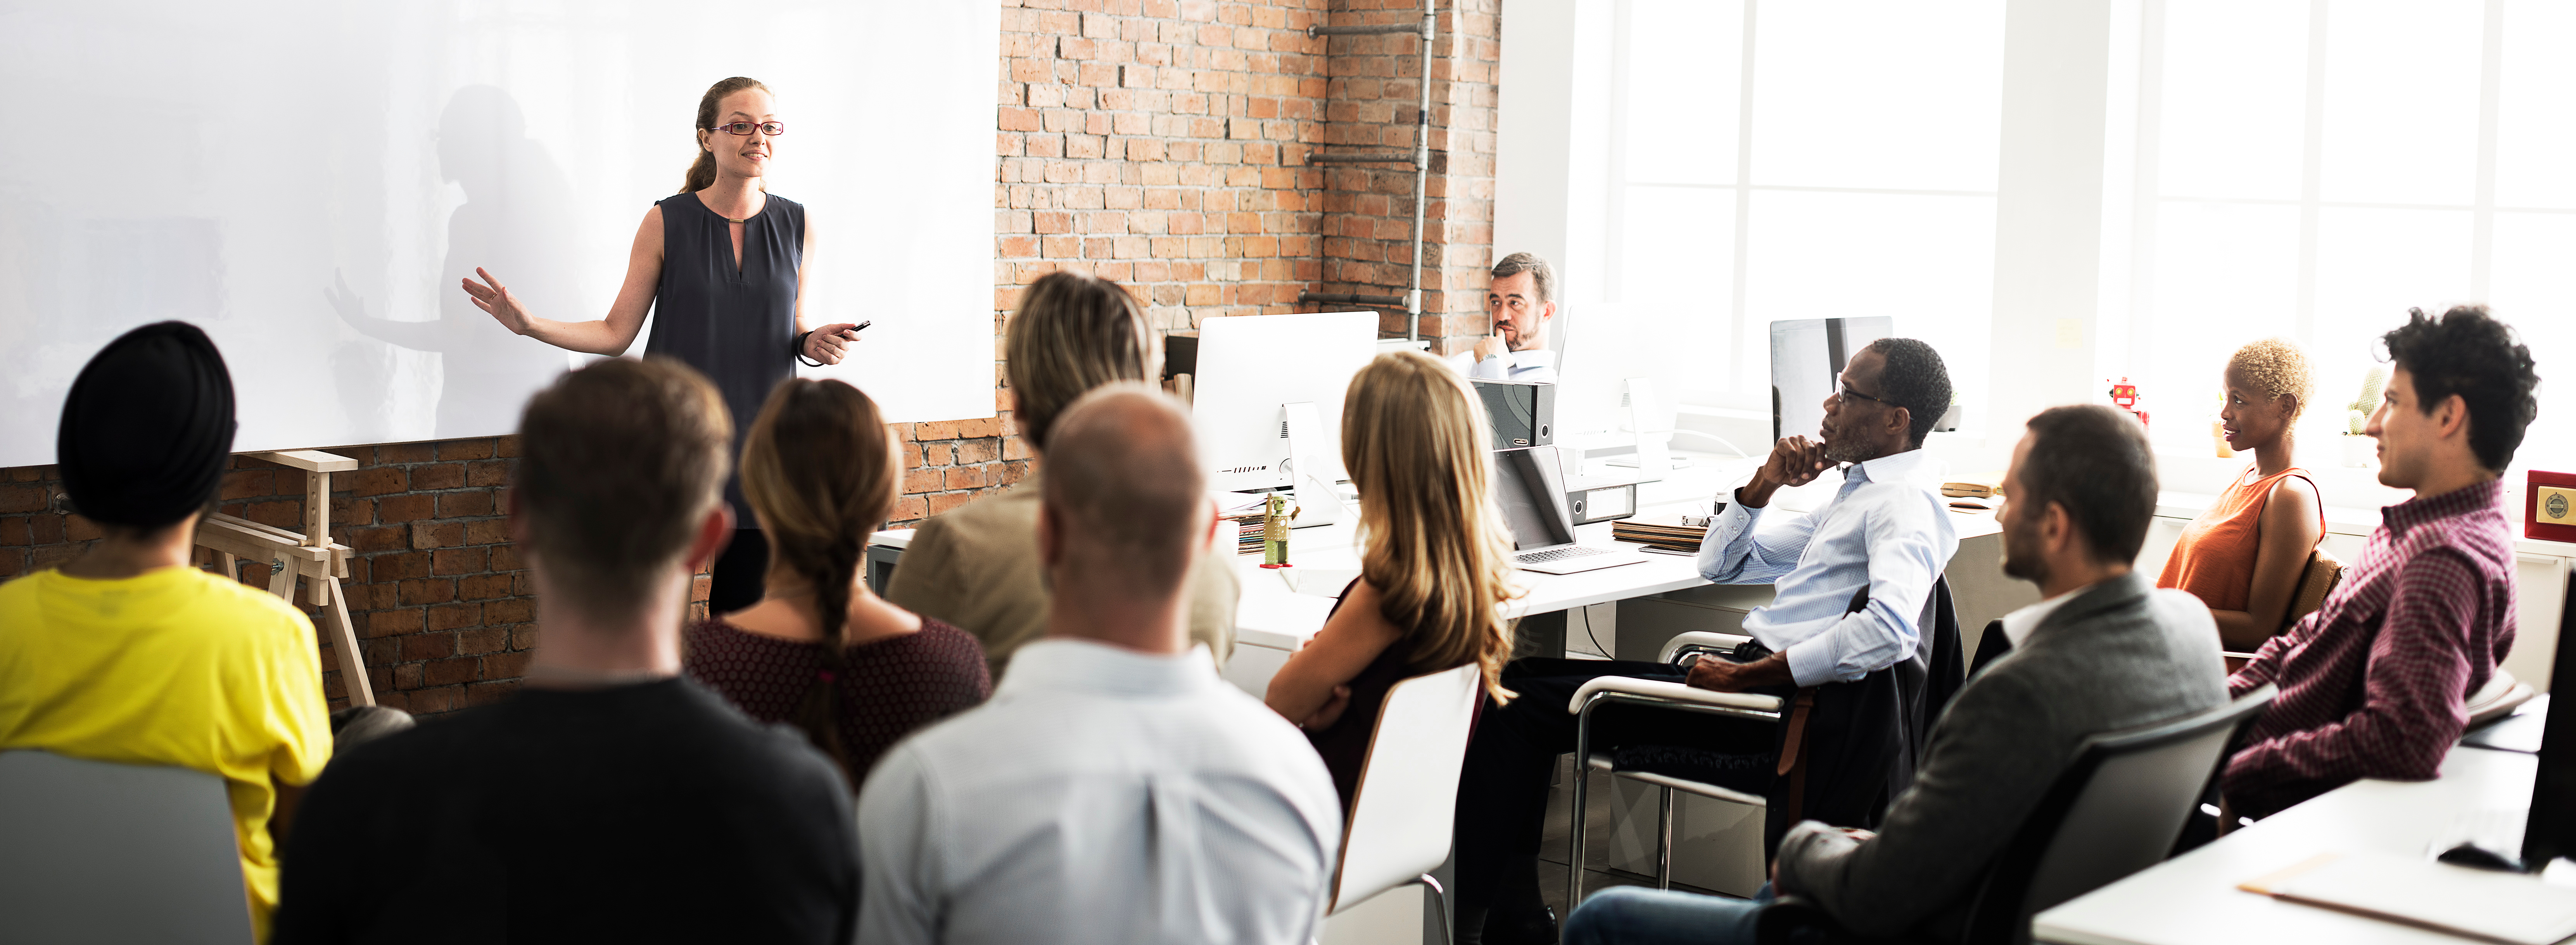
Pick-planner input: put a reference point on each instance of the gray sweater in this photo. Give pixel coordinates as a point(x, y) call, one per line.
point(2118, 655)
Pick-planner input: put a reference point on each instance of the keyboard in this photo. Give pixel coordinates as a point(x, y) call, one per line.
point(1558, 553)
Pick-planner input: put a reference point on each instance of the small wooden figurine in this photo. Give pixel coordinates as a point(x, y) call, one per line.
point(1275, 516)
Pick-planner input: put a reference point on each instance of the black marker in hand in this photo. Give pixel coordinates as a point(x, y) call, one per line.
point(830, 343)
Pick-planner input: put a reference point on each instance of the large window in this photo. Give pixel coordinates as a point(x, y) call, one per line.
point(2313, 168)
point(1790, 160)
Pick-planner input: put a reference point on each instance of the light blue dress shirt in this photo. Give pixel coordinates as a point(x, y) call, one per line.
point(1103, 797)
point(1534, 366)
point(1887, 528)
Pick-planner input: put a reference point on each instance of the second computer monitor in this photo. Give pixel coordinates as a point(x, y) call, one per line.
point(1249, 366)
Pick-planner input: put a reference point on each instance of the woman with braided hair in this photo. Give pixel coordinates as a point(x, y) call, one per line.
point(821, 469)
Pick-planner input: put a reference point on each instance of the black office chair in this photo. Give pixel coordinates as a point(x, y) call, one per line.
point(2114, 812)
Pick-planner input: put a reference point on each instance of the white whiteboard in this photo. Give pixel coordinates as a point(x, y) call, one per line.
point(308, 181)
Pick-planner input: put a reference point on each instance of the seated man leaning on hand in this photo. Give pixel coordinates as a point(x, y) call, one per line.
point(1886, 531)
point(2103, 651)
point(2374, 684)
point(1115, 789)
point(1520, 301)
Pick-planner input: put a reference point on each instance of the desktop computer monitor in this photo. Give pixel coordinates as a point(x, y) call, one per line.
point(1530, 486)
point(1806, 356)
point(2550, 831)
point(1250, 367)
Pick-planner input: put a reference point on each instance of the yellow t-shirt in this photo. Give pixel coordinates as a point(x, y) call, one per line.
point(175, 667)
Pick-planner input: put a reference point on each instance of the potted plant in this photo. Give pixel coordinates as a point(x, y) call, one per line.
point(2358, 448)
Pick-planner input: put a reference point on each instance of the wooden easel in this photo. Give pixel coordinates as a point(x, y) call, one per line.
point(310, 555)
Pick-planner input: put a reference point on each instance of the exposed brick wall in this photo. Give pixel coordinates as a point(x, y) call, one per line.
point(435, 589)
point(1374, 96)
point(1158, 143)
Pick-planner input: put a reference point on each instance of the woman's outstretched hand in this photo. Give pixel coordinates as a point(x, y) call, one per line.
point(830, 343)
point(491, 296)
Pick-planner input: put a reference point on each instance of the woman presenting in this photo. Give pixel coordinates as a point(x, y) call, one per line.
point(721, 264)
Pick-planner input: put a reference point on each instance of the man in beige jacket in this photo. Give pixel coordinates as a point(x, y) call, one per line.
point(977, 566)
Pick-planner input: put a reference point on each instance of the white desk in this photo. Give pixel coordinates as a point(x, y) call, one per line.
point(1282, 607)
point(2193, 900)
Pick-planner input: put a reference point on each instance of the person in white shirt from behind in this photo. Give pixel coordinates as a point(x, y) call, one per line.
point(1521, 300)
point(1115, 789)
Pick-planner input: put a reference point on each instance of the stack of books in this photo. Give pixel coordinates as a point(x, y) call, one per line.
point(1679, 533)
point(1986, 486)
point(1974, 493)
point(1248, 534)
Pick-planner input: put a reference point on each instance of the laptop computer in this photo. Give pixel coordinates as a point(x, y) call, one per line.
point(1531, 488)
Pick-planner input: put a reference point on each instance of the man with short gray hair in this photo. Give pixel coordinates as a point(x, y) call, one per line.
point(1115, 789)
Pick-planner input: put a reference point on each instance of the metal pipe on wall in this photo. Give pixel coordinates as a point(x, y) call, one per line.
point(1429, 30)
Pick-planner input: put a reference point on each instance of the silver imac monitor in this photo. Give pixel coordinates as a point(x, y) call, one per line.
point(1806, 356)
point(1250, 367)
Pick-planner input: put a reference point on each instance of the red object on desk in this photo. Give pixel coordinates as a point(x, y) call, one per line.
point(2537, 521)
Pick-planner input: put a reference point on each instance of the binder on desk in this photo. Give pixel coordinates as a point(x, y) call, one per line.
point(2485, 904)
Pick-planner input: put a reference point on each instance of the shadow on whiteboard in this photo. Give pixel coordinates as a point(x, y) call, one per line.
point(516, 221)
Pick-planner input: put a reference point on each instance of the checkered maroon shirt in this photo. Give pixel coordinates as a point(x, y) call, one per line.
point(2375, 683)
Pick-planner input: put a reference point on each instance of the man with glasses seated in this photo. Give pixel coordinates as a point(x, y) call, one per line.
point(1852, 579)
point(2104, 650)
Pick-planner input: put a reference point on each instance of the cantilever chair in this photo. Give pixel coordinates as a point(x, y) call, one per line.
point(1405, 805)
point(1611, 690)
point(2115, 811)
point(1923, 684)
point(92, 851)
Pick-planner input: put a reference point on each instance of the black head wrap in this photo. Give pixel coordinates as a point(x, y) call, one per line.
point(146, 427)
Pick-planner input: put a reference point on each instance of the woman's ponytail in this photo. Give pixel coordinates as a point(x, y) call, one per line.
point(820, 469)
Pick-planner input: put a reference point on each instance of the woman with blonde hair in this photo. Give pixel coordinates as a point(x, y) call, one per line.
point(2244, 556)
point(1435, 560)
point(821, 469)
point(977, 565)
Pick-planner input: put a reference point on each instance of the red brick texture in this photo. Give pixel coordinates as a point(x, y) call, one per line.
point(1158, 143)
point(436, 591)
point(1374, 96)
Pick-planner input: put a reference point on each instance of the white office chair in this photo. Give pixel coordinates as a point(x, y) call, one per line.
point(97, 852)
point(1407, 798)
point(1606, 690)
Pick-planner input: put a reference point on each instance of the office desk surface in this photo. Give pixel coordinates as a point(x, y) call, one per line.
point(2193, 899)
point(1282, 607)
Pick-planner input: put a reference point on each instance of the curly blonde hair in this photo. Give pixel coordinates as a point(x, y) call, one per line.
point(2276, 367)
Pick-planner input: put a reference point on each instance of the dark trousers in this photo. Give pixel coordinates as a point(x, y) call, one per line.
point(741, 573)
point(1502, 791)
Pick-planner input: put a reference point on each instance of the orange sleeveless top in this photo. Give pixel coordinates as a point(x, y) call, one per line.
point(2214, 560)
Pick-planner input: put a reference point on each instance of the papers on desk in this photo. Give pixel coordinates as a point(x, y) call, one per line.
point(2520, 731)
point(2496, 906)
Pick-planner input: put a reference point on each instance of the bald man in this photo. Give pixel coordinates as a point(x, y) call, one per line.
point(1115, 789)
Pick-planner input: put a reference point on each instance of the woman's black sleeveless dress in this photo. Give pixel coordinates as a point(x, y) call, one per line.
point(1344, 745)
point(736, 325)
